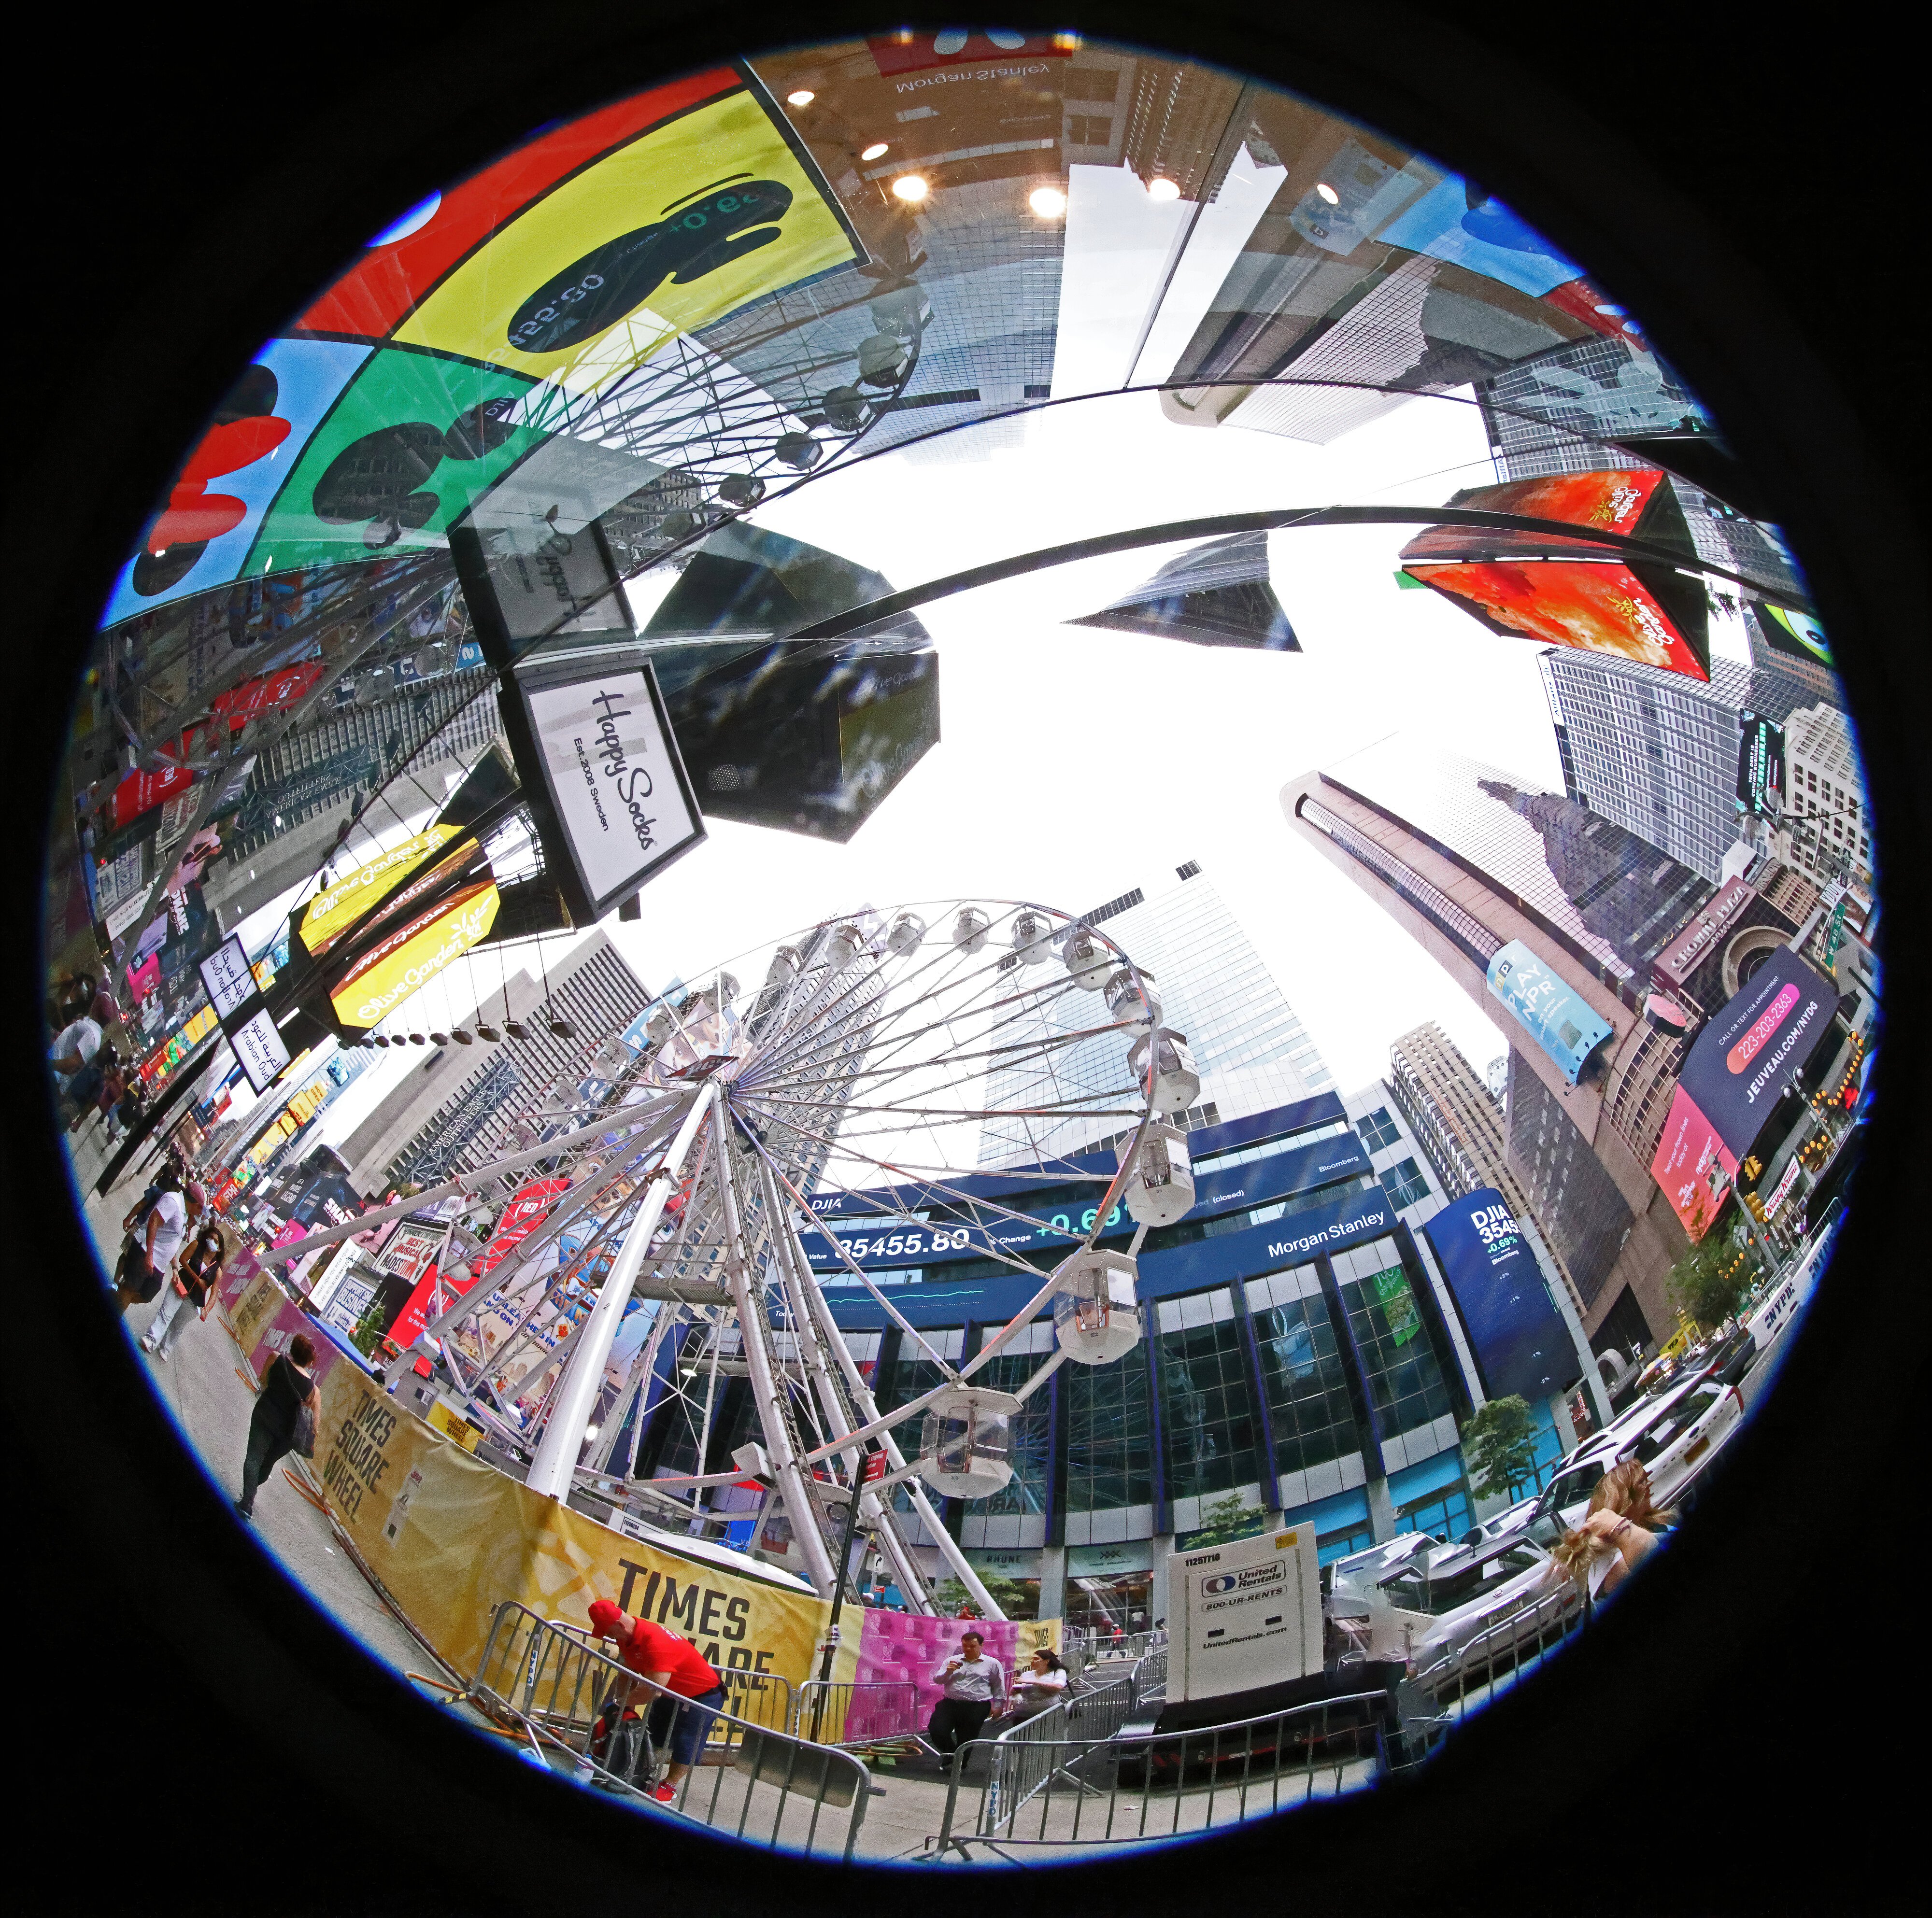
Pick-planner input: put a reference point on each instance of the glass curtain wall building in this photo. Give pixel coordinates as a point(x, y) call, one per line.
point(1301, 1353)
point(1214, 989)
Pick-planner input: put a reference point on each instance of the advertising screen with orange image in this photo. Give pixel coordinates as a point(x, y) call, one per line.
point(1595, 606)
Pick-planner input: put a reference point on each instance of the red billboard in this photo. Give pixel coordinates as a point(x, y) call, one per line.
point(141, 792)
point(1692, 1168)
point(521, 1217)
point(1567, 591)
point(1596, 605)
point(272, 692)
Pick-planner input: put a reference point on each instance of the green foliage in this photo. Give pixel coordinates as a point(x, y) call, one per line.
point(1016, 1600)
point(1222, 1522)
point(1499, 1448)
point(1701, 1286)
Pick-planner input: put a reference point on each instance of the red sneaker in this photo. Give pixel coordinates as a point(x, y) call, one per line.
point(665, 1793)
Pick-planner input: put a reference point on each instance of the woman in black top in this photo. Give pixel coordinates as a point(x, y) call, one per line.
point(289, 1386)
point(189, 1290)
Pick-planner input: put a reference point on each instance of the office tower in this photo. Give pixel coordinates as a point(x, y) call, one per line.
point(1831, 824)
point(1467, 861)
point(1457, 1120)
point(1249, 1047)
point(1656, 752)
point(460, 1107)
point(302, 789)
point(1218, 595)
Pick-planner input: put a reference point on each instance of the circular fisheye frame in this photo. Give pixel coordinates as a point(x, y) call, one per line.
point(1031, 1337)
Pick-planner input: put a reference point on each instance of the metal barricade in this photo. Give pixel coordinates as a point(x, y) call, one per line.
point(1142, 1789)
point(868, 1714)
point(1504, 1652)
point(609, 1728)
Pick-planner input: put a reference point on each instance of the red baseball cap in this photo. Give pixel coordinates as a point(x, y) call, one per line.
point(604, 1613)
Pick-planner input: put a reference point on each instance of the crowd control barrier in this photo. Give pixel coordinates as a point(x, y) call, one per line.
point(754, 1780)
point(1144, 1789)
point(1504, 1651)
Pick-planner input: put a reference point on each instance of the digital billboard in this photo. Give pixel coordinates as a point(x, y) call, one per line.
point(1551, 1011)
point(1691, 1167)
point(1520, 1342)
point(1760, 765)
point(1799, 633)
point(1744, 1059)
point(399, 965)
point(1570, 592)
point(339, 908)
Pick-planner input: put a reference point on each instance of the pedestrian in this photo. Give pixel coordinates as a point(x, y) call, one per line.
point(155, 1228)
point(677, 1667)
point(973, 1684)
point(189, 1290)
point(1042, 1684)
point(72, 1055)
point(287, 1392)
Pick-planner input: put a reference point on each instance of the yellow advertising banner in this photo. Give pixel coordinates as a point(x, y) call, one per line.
point(696, 217)
point(399, 965)
point(249, 1316)
point(451, 1538)
point(332, 913)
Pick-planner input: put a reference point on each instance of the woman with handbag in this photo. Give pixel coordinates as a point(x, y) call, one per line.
point(191, 1285)
point(283, 1420)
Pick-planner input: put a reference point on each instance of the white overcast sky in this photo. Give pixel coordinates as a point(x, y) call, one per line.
point(1075, 762)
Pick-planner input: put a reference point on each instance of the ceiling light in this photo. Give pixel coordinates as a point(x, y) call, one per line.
point(803, 97)
point(1163, 189)
point(910, 187)
point(1049, 203)
point(1328, 193)
point(873, 151)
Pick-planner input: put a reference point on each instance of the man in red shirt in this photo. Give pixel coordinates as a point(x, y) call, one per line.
point(676, 1666)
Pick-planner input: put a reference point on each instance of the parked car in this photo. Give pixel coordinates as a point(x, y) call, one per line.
point(1677, 1433)
point(1428, 1610)
point(1504, 1524)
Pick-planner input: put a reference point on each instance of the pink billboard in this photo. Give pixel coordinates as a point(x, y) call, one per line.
point(1692, 1167)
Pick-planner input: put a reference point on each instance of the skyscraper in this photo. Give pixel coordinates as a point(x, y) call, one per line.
point(1213, 988)
point(1656, 752)
point(1455, 1119)
point(1468, 860)
point(436, 1121)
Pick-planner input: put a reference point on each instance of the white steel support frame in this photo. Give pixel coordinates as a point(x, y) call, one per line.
point(557, 1451)
point(816, 1334)
point(765, 1388)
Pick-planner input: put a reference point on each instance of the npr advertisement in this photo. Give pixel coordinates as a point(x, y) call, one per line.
point(1740, 1065)
point(1548, 1009)
point(1521, 1344)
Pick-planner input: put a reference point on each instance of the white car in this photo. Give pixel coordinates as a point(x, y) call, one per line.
point(1676, 1433)
point(1431, 1608)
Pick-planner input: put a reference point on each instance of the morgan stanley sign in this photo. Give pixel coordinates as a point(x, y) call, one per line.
point(621, 806)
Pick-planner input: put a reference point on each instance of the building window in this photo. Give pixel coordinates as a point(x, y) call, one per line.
point(1025, 1491)
point(1378, 1129)
point(1405, 1184)
point(1307, 1392)
point(1445, 1513)
point(1109, 1451)
point(1403, 1378)
point(1206, 1407)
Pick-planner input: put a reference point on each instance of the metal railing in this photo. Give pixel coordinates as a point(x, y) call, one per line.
point(1474, 1672)
point(1093, 1645)
point(1144, 1788)
point(868, 1714)
point(610, 1728)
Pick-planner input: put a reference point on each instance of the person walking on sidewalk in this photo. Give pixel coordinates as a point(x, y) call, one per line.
point(155, 1228)
point(973, 1684)
point(678, 1667)
point(189, 1290)
point(288, 1389)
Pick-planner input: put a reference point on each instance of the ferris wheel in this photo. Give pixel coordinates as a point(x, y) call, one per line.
point(903, 1069)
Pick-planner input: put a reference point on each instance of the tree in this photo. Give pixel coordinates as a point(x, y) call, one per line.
point(1012, 1598)
point(1707, 1281)
point(1499, 1447)
point(1225, 1520)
